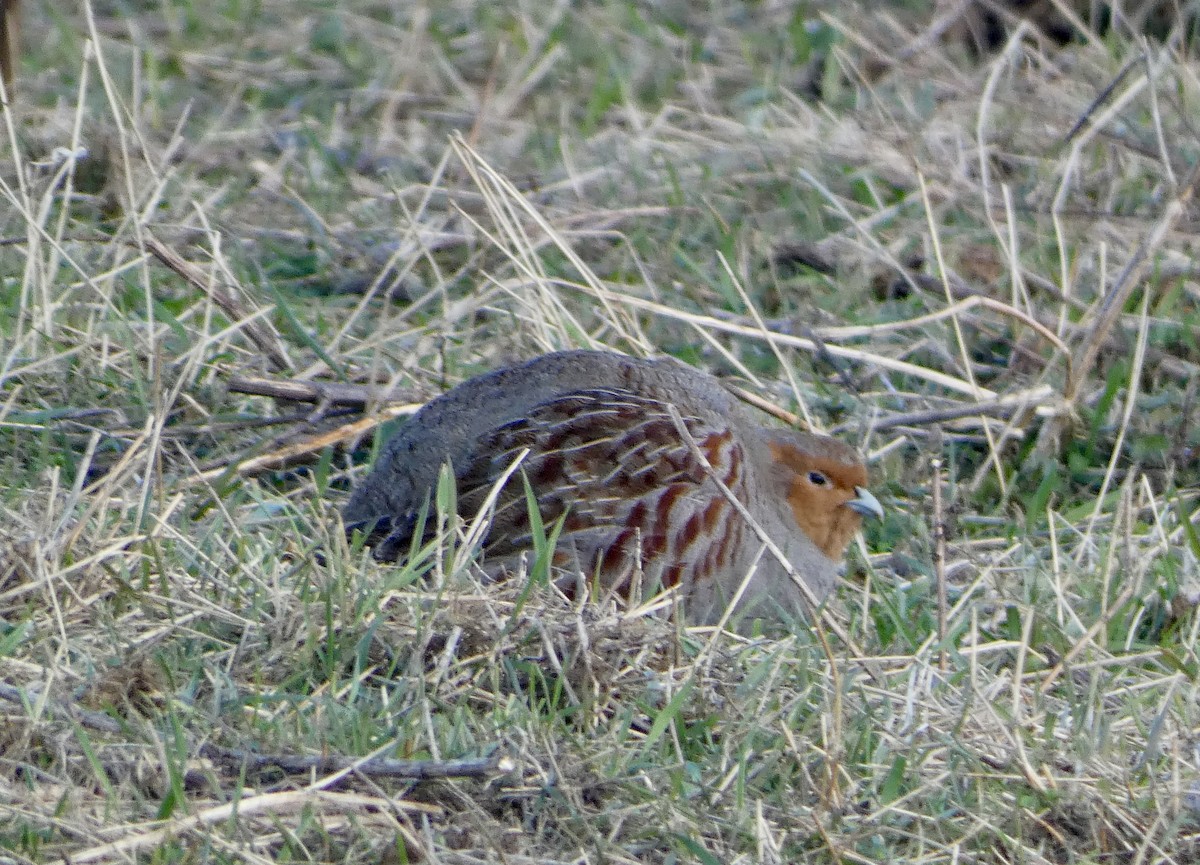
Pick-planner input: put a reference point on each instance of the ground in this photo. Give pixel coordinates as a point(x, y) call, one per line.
point(973, 261)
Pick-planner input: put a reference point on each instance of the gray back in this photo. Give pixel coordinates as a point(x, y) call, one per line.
point(448, 427)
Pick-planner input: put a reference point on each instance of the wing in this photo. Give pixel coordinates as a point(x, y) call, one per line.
point(632, 494)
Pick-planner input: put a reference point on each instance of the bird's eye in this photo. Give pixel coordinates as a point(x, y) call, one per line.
point(817, 479)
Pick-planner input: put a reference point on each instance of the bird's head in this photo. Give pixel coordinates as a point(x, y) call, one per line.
point(825, 483)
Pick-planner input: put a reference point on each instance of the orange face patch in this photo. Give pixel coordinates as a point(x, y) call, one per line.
point(818, 490)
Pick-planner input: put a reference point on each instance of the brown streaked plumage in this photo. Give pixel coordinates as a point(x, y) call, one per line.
point(638, 508)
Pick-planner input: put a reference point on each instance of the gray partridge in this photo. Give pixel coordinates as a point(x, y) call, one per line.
point(606, 457)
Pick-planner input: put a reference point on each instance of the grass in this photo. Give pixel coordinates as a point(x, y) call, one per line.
point(985, 262)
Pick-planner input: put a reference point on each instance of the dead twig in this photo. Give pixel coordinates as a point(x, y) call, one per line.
point(320, 392)
point(767, 406)
point(233, 760)
point(1102, 97)
point(259, 331)
point(9, 44)
point(1041, 397)
point(1108, 309)
point(299, 450)
point(1104, 314)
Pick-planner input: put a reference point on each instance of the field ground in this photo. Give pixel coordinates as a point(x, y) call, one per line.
point(978, 267)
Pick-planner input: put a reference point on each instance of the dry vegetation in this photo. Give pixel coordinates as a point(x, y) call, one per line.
point(978, 268)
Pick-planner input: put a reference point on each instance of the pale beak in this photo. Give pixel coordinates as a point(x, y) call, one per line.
point(866, 504)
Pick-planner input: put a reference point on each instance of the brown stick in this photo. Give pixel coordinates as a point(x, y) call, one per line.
point(259, 331)
point(297, 450)
point(1002, 406)
point(377, 767)
point(326, 393)
point(1108, 309)
point(766, 405)
point(9, 47)
point(233, 759)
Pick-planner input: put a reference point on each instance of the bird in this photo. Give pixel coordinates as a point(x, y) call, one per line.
point(610, 447)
